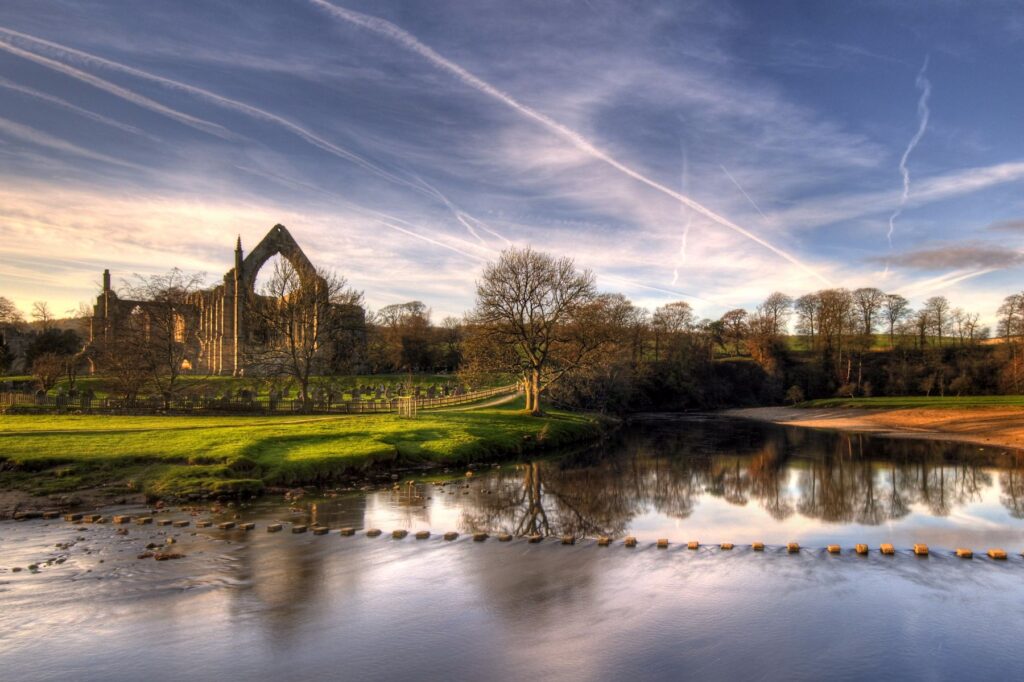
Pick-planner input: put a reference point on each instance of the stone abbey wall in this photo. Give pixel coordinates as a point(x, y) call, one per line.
point(218, 314)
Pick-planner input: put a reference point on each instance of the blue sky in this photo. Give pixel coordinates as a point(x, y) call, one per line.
point(710, 152)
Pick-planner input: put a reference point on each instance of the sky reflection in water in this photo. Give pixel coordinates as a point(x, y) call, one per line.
point(258, 606)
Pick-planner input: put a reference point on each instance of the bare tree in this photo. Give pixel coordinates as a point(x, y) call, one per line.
point(42, 316)
point(939, 313)
point(868, 301)
point(895, 309)
point(670, 320)
point(808, 311)
point(48, 369)
point(734, 323)
point(777, 309)
point(9, 313)
point(537, 308)
point(161, 333)
point(299, 315)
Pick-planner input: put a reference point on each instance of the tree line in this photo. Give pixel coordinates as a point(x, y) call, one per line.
point(538, 319)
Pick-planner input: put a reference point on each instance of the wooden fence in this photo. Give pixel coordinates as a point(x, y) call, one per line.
point(24, 403)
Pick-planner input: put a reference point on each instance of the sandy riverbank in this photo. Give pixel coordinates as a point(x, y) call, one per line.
point(989, 426)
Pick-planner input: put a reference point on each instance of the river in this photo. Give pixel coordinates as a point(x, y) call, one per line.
point(258, 605)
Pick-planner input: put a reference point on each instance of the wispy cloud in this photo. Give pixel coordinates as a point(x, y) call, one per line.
point(923, 113)
point(407, 40)
point(42, 139)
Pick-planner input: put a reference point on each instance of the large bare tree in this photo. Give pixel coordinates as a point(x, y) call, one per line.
point(534, 317)
point(160, 335)
point(300, 315)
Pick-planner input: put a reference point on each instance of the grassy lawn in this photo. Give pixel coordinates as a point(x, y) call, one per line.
point(175, 456)
point(906, 402)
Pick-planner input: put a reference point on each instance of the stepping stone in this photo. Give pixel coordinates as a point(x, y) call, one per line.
point(299, 529)
point(181, 524)
point(629, 541)
point(604, 541)
point(568, 540)
point(320, 530)
point(423, 535)
point(226, 525)
point(921, 549)
point(793, 547)
point(122, 519)
point(662, 543)
point(451, 535)
point(998, 554)
point(51, 514)
point(480, 537)
point(757, 546)
point(73, 518)
point(964, 553)
point(535, 538)
point(248, 525)
point(164, 522)
point(833, 549)
point(504, 537)
point(861, 549)
point(399, 534)
point(373, 532)
point(348, 531)
point(274, 527)
point(692, 544)
point(91, 518)
point(887, 549)
point(726, 546)
point(144, 520)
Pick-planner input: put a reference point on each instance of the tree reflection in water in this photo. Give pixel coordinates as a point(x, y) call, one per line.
point(667, 467)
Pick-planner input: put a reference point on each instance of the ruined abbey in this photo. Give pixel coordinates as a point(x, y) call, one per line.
point(223, 331)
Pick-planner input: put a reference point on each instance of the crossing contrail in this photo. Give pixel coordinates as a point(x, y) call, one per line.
point(923, 113)
point(410, 42)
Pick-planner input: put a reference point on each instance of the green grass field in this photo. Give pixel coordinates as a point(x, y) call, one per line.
point(178, 456)
point(907, 402)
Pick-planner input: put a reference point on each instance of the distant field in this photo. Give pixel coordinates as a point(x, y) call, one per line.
point(879, 342)
point(220, 384)
point(907, 402)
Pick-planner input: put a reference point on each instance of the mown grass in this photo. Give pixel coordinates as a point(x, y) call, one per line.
point(908, 402)
point(181, 456)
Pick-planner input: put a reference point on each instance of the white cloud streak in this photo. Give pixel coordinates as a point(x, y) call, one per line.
point(64, 104)
point(410, 42)
point(116, 90)
point(923, 113)
point(37, 137)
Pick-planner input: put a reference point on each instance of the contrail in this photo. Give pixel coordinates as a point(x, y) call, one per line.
point(943, 281)
point(205, 95)
point(744, 192)
point(64, 104)
point(684, 176)
point(633, 282)
point(45, 140)
point(117, 91)
point(923, 112)
point(410, 42)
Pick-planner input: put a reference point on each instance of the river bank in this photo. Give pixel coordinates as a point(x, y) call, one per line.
point(1000, 426)
point(64, 461)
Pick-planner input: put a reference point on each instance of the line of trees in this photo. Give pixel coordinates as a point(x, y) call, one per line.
point(540, 320)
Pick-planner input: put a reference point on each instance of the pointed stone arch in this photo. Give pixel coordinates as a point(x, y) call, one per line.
point(278, 241)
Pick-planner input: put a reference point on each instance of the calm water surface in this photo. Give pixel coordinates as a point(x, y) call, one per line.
point(253, 605)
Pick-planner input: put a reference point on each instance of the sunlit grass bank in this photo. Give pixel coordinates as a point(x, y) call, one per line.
point(180, 456)
point(908, 402)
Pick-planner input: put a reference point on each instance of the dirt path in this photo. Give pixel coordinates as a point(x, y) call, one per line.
point(501, 400)
point(984, 425)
